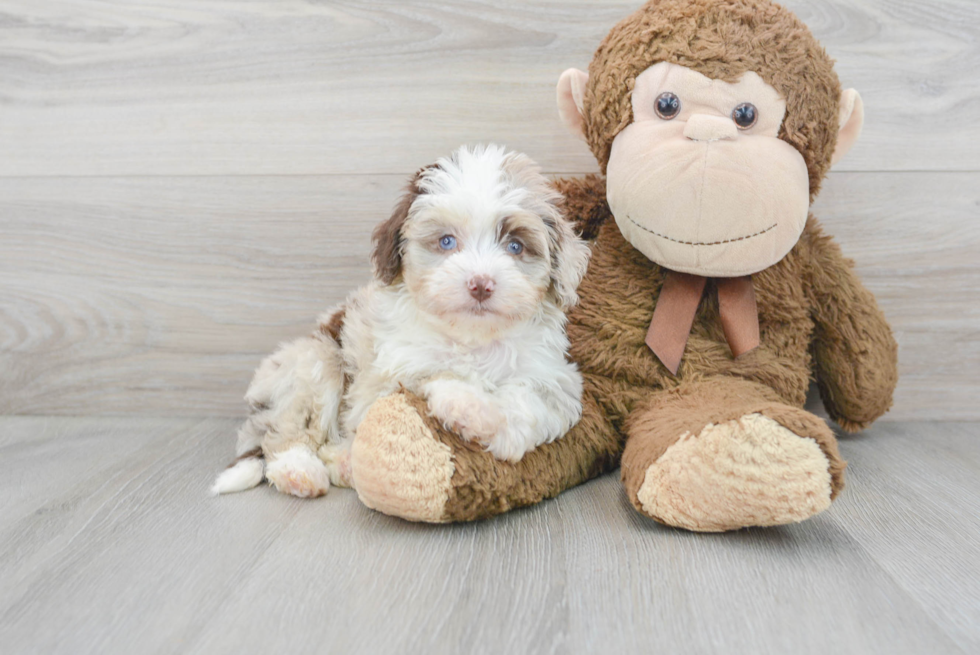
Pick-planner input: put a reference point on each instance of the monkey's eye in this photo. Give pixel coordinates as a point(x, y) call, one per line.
point(515, 247)
point(745, 115)
point(447, 242)
point(667, 105)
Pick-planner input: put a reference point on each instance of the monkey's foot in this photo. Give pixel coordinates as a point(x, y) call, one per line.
point(398, 466)
point(405, 463)
point(750, 471)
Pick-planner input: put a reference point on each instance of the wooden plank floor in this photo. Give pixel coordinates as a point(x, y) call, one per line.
point(109, 543)
point(185, 183)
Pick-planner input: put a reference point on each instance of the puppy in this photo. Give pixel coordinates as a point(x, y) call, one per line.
point(473, 272)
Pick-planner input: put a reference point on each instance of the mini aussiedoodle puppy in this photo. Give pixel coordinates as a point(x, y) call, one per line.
point(473, 272)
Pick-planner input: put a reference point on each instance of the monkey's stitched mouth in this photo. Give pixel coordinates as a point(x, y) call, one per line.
point(701, 243)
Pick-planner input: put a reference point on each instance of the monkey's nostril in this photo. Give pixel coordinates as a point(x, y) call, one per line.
point(481, 287)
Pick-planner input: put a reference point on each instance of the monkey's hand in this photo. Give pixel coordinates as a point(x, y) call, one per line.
point(854, 352)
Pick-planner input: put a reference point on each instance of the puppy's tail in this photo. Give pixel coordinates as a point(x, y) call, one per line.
point(245, 472)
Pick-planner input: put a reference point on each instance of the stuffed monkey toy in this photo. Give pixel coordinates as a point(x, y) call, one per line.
point(712, 300)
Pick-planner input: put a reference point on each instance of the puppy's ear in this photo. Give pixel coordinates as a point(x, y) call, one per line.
point(387, 236)
point(569, 260)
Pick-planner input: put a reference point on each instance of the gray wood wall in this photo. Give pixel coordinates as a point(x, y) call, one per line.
point(185, 183)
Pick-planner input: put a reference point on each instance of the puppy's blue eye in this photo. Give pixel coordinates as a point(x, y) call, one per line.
point(448, 242)
point(515, 247)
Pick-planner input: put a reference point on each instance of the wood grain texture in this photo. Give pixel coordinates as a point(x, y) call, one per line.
point(131, 555)
point(915, 239)
point(923, 530)
point(159, 296)
point(154, 296)
point(204, 87)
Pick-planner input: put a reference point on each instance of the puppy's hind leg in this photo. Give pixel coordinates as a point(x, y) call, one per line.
point(304, 400)
point(336, 456)
point(295, 399)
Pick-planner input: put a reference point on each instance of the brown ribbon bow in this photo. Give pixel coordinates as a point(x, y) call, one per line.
point(678, 303)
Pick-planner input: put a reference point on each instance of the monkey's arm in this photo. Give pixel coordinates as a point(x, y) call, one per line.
point(854, 352)
point(585, 203)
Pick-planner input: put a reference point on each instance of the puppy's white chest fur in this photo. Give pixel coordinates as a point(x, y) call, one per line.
point(389, 344)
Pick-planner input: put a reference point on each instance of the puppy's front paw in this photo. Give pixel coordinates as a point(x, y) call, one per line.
point(464, 412)
point(298, 472)
point(511, 443)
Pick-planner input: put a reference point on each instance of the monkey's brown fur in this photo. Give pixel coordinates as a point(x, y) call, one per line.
point(816, 319)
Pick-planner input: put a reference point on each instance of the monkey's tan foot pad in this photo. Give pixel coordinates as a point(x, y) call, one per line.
point(751, 471)
point(398, 467)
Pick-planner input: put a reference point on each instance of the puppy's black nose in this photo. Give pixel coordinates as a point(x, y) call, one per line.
point(481, 287)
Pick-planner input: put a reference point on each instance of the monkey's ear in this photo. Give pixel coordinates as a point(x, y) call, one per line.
point(387, 236)
point(571, 95)
point(851, 122)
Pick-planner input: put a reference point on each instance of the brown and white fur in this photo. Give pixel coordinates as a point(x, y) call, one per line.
point(473, 272)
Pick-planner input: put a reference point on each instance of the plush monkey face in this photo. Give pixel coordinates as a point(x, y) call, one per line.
point(710, 166)
point(699, 182)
